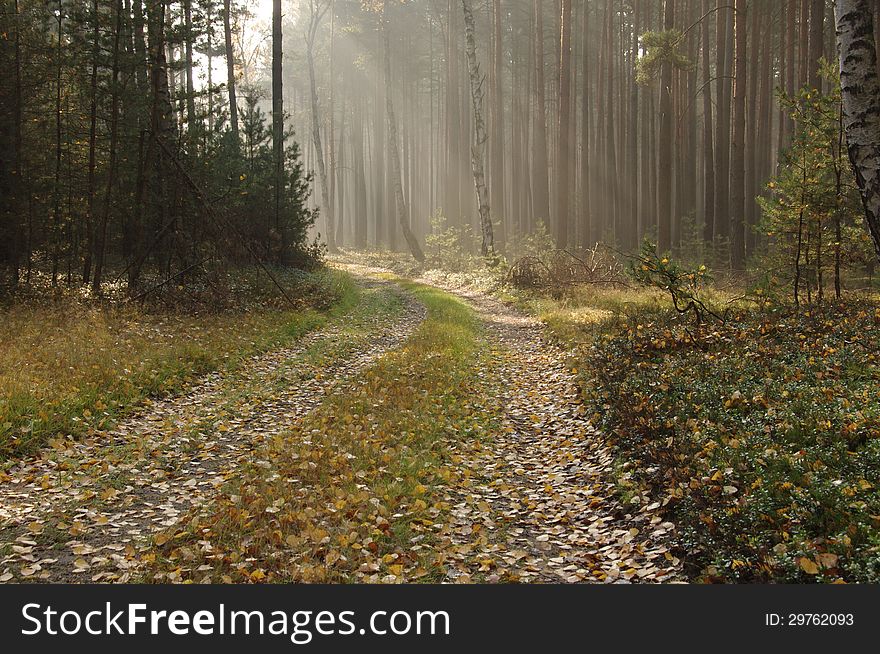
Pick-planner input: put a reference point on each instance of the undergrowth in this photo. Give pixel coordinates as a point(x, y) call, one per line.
point(762, 429)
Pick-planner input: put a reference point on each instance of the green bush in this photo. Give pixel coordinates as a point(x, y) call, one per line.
point(450, 247)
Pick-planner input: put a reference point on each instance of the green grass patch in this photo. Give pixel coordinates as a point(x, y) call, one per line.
point(354, 492)
point(70, 368)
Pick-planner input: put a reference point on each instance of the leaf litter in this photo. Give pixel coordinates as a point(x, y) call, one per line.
point(89, 509)
point(539, 502)
point(532, 501)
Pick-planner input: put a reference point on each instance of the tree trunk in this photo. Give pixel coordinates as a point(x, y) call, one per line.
point(751, 145)
point(817, 25)
point(101, 237)
point(563, 150)
point(278, 120)
point(737, 158)
point(230, 69)
point(379, 172)
point(586, 125)
point(191, 123)
point(722, 125)
point(317, 14)
point(861, 103)
point(56, 189)
point(667, 126)
point(487, 245)
point(360, 179)
point(402, 214)
point(708, 148)
point(497, 141)
point(93, 130)
point(540, 158)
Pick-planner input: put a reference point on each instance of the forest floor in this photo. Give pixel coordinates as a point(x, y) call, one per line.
point(756, 432)
point(427, 435)
point(426, 430)
point(84, 510)
point(542, 487)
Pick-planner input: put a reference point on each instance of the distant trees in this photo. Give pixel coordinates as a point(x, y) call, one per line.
point(605, 120)
point(652, 118)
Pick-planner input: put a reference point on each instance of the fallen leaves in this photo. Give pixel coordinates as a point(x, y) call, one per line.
point(535, 503)
point(92, 507)
point(808, 565)
point(464, 456)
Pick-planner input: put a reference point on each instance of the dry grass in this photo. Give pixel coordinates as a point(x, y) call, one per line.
point(68, 368)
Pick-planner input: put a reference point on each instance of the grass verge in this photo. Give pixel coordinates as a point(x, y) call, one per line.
point(354, 492)
point(70, 369)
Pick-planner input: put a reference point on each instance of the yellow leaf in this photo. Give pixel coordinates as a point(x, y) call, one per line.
point(808, 565)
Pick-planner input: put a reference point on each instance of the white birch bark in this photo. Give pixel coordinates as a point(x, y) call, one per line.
point(478, 148)
point(861, 103)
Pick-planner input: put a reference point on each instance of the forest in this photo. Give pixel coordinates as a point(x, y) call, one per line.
point(439, 291)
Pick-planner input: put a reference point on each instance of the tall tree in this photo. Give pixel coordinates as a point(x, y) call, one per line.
point(487, 243)
point(860, 91)
point(400, 202)
point(667, 126)
point(737, 157)
point(277, 111)
point(317, 10)
point(230, 69)
point(93, 139)
point(708, 143)
point(722, 124)
point(817, 39)
point(101, 235)
point(541, 200)
point(563, 150)
point(497, 140)
point(188, 37)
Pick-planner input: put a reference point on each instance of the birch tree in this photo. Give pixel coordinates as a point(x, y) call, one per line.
point(487, 245)
point(861, 103)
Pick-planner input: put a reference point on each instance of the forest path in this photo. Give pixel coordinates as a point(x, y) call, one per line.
point(548, 477)
point(541, 505)
point(85, 510)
